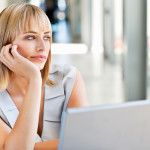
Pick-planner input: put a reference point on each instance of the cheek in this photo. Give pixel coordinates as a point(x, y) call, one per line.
point(24, 49)
point(48, 46)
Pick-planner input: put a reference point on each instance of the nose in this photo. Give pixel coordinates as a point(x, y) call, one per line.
point(40, 45)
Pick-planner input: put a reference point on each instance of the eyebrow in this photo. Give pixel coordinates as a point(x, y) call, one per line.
point(36, 32)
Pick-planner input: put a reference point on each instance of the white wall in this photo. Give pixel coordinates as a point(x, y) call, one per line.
point(86, 22)
point(15, 1)
point(97, 26)
point(3, 4)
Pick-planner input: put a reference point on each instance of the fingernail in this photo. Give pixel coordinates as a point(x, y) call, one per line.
point(15, 46)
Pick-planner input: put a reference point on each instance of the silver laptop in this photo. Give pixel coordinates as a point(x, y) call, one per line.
point(111, 127)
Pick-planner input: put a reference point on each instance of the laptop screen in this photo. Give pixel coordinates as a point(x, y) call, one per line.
point(110, 127)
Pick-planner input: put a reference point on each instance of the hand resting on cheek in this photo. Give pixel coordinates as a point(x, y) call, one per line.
point(17, 63)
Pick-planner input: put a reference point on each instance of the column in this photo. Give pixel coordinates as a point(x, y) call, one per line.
point(135, 46)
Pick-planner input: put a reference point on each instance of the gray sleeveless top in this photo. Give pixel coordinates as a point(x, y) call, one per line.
point(55, 101)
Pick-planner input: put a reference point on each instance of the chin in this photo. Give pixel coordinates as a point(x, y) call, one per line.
point(40, 67)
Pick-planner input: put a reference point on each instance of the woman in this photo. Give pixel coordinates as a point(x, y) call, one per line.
point(31, 99)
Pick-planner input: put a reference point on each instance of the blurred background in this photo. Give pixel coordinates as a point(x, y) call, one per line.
point(107, 40)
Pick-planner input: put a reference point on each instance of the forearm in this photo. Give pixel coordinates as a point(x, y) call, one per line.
point(24, 132)
point(48, 145)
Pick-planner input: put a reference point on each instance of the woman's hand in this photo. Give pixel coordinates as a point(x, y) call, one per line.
point(18, 64)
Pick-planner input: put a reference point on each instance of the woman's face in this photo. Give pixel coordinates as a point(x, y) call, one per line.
point(34, 45)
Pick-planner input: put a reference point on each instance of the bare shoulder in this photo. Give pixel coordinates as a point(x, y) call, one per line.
point(78, 96)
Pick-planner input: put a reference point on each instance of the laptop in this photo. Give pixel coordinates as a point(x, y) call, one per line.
point(123, 126)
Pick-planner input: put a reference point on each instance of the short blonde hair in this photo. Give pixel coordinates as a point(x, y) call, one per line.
point(15, 19)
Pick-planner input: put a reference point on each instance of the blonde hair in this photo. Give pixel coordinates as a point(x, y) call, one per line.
point(13, 20)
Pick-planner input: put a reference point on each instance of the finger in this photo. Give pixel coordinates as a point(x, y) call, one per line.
point(5, 47)
point(6, 58)
point(8, 65)
point(5, 55)
point(15, 52)
point(5, 62)
point(2, 51)
point(6, 51)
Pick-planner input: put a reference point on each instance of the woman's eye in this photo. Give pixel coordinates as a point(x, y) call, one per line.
point(47, 38)
point(30, 37)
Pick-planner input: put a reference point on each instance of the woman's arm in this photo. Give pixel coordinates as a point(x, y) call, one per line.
point(48, 145)
point(23, 134)
point(78, 96)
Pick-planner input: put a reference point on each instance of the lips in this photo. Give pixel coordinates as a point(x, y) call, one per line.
point(39, 56)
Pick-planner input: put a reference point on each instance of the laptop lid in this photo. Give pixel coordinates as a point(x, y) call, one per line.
point(123, 126)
